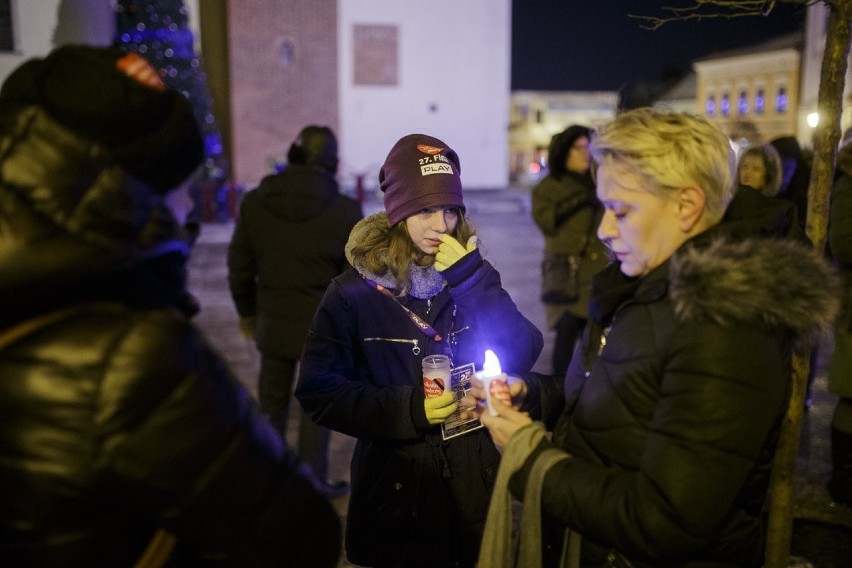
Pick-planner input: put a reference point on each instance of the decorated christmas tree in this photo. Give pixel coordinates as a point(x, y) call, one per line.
point(159, 31)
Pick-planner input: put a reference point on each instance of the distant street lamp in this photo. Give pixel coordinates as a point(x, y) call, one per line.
point(813, 119)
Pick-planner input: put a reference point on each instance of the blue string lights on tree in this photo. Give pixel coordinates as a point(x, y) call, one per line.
point(158, 30)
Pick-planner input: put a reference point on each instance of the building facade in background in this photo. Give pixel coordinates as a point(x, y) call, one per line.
point(535, 116)
point(752, 93)
point(373, 70)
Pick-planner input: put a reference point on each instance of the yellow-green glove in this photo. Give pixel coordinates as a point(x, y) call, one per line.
point(248, 325)
point(450, 251)
point(440, 407)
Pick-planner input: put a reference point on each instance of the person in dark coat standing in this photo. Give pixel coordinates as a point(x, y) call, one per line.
point(125, 437)
point(665, 428)
point(840, 368)
point(419, 286)
point(796, 175)
point(566, 210)
point(286, 247)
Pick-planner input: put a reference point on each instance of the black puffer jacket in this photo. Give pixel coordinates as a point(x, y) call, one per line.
point(673, 410)
point(118, 418)
point(287, 246)
point(416, 500)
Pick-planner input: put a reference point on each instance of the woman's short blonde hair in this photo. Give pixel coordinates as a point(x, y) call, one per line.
point(771, 164)
point(669, 151)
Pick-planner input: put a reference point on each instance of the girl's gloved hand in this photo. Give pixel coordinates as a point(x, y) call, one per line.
point(450, 251)
point(440, 407)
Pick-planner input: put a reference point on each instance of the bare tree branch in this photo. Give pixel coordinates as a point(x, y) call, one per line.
point(712, 9)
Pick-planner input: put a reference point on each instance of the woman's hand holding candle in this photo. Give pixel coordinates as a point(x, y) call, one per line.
point(482, 385)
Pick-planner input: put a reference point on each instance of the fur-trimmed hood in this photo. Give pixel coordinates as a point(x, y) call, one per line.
point(424, 281)
point(778, 283)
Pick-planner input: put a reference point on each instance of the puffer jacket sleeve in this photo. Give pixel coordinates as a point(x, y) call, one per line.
point(488, 309)
point(336, 388)
point(181, 442)
point(723, 392)
point(242, 264)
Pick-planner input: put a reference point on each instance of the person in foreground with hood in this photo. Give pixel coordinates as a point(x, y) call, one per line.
point(664, 433)
point(286, 247)
point(126, 440)
point(418, 286)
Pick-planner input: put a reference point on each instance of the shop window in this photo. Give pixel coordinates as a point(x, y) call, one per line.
point(7, 40)
point(742, 103)
point(781, 100)
point(710, 107)
point(759, 101)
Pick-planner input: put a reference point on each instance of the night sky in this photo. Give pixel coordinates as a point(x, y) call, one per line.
point(595, 45)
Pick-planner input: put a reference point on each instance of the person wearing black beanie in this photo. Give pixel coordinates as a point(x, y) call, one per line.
point(286, 246)
point(125, 436)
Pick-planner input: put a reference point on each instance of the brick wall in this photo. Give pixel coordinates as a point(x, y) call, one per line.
point(283, 76)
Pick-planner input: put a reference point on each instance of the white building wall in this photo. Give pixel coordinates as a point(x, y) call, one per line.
point(37, 30)
point(453, 83)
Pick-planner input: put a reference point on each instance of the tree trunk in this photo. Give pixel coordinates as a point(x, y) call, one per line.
point(826, 138)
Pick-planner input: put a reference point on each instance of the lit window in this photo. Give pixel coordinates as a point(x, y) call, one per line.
point(725, 105)
point(711, 105)
point(742, 103)
point(759, 101)
point(781, 100)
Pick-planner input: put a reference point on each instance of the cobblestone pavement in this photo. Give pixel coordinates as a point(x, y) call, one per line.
point(509, 239)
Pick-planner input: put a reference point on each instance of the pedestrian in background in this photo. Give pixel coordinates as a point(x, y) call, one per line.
point(662, 452)
point(125, 438)
point(419, 286)
point(840, 366)
point(286, 247)
point(566, 210)
point(759, 167)
point(796, 175)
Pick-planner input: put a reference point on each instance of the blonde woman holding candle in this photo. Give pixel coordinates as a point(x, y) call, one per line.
point(418, 287)
point(661, 453)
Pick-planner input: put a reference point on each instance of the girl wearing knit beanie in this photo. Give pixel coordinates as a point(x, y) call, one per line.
point(418, 286)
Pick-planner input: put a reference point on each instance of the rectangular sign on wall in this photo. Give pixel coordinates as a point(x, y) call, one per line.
point(375, 54)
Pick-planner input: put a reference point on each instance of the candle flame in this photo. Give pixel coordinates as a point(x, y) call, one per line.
point(491, 368)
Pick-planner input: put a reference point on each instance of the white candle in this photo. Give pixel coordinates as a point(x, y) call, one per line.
point(494, 381)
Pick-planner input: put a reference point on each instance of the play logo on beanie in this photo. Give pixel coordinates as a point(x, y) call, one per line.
point(420, 172)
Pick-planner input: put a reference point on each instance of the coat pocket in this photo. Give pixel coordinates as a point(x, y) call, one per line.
point(394, 493)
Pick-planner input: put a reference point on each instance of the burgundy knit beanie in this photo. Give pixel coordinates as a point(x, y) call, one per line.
point(419, 172)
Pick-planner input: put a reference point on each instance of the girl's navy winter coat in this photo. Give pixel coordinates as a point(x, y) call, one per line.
point(416, 500)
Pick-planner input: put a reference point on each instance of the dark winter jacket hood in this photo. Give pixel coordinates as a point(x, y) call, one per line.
point(424, 281)
point(76, 225)
point(299, 193)
point(778, 283)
